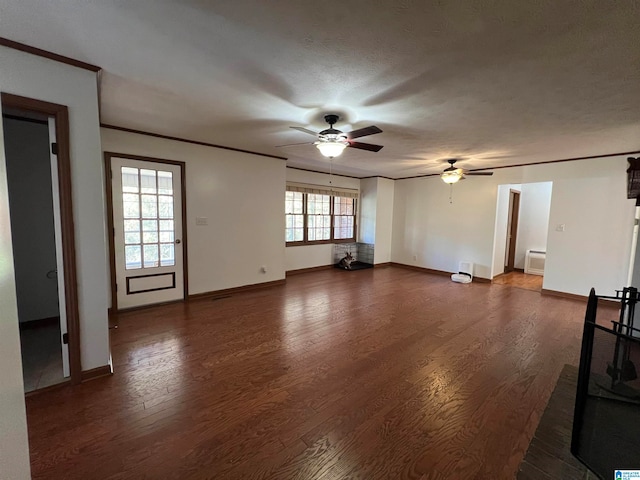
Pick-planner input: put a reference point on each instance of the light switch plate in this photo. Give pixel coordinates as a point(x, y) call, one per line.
point(202, 221)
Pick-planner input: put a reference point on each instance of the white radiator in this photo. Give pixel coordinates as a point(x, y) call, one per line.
point(534, 262)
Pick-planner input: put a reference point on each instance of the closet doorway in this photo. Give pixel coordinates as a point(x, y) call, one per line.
point(36, 143)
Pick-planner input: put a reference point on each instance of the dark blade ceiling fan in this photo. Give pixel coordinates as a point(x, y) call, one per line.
point(331, 141)
point(453, 174)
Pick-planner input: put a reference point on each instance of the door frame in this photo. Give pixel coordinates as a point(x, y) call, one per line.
point(512, 235)
point(110, 225)
point(61, 115)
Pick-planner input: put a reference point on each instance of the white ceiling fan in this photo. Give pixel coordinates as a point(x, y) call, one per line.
point(331, 141)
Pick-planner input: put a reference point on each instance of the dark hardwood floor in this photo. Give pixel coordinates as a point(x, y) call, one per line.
point(373, 374)
point(549, 455)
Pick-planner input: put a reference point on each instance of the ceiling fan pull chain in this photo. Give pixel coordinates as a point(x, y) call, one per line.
point(331, 175)
point(451, 193)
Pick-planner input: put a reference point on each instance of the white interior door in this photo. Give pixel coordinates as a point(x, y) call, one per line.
point(147, 221)
point(57, 225)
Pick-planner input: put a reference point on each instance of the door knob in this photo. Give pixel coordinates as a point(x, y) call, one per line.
point(177, 240)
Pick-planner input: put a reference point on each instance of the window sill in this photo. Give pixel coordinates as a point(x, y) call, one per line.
point(319, 242)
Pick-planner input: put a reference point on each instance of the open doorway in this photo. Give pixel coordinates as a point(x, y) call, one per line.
point(38, 180)
point(34, 248)
point(520, 239)
point(513, 215)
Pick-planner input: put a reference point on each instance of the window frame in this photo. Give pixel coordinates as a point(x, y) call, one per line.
point(331, 239)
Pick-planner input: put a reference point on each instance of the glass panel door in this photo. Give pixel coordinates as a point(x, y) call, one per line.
point(147, 230)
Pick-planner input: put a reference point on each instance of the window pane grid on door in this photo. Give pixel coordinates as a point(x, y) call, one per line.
point(131, 205)
point(149, 206)
point(149, 233)
point(130, 179)
point(165, 206)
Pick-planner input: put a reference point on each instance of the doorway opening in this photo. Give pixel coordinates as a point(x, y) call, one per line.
point(512, 230)
point(520, 238)
point(38, 178)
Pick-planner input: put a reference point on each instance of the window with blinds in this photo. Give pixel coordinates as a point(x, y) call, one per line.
point(315, 214)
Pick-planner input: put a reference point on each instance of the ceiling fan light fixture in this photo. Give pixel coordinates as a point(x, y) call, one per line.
point(331, 148)
point(451, 176)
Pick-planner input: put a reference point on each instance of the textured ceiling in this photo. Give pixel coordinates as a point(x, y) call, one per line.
point(491, 82)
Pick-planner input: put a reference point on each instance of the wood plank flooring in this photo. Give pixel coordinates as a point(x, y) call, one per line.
point(520, 280)
point(372, 374)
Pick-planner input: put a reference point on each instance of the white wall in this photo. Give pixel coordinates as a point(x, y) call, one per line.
point(241, 195)
point(590, 200)
point(384, 220)
point(594, 249)
point(34, 248)
point(309, 256)
point(35, 77)
point(440, 234)
point(376, 216)
point(533, 223)
point(368, 207)
point(502, 224)
point(14, 449)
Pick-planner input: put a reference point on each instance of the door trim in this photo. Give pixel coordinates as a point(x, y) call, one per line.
point(112, 250)
point(61, 115)
point(514, 208)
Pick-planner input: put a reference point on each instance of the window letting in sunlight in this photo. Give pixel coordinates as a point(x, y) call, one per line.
point(147, 198)
point(317, 215)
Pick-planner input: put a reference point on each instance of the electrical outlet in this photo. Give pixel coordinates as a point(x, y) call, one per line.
point(263, 269)
point(560, 227)
point(415, 257)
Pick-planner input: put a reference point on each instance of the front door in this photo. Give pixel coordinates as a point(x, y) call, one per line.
point(147, 229)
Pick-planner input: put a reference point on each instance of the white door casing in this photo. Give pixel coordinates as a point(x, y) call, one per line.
point(57, 225)
point(147, 224)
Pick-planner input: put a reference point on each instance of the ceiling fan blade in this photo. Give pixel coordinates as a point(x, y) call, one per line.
point(486, 174)
point(366, 146)
point(292, 144)
point(363, 132)
point(305, 130)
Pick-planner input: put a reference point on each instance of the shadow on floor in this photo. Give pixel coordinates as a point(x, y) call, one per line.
point(41, 356)
point(548, 456)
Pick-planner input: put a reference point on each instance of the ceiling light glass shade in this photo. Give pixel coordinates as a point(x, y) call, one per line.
point(332, 148)
point(451, 177)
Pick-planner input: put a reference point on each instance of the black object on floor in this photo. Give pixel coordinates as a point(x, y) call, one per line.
point(354, 266)
point(607, 410)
